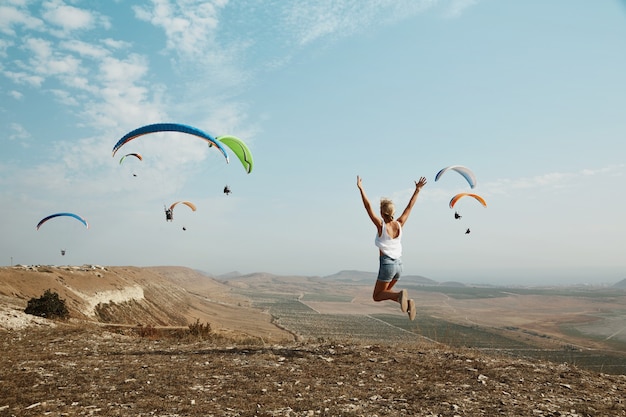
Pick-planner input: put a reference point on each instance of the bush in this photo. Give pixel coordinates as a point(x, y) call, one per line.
point(49, 305)
point(200, 330)
point(148, 331)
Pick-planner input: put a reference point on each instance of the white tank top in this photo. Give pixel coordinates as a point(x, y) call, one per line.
point(390, 247)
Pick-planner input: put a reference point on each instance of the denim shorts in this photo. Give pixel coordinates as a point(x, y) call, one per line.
point(390, 269)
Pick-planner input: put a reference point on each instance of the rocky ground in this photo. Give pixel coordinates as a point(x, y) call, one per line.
point(71, 370)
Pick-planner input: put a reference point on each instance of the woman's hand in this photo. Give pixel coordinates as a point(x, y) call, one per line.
point(419, 184)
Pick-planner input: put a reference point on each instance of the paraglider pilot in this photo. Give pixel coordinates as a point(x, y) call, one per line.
point(227, 190)
point(169, 215)
point(457, 215)
point(467, 232)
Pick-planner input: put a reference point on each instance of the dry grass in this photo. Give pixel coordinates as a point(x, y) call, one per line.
point(70, 370)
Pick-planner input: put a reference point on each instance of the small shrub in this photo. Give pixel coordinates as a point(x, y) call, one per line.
point(148, 331)
point(200, 330)
point(49, 305)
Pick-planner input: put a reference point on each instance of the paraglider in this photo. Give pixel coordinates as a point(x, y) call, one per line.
point(469, 176)
point(461, 195)
point(136, 155)
point(169, 212)
point(189, 204)
point(464, 171)
point(240, 149)
point(169, 127)
point(169, 215)
point(52, 216)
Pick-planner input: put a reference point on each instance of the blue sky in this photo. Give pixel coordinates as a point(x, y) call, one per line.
point(529, 95)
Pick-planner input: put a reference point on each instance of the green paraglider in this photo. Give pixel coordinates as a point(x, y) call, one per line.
point(240, 149)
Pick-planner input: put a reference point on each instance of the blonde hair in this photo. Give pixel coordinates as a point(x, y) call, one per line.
point(387, 209)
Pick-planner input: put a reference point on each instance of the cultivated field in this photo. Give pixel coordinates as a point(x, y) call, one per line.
point(573, 325)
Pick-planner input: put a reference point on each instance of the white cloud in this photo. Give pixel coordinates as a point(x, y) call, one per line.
point(115, 44)
point(458, 7)
point(613, 170)
point(21, 77)
point(310, 20)
point(65, 97)
point(48, 62)
point(118, 93)
point(16, 94)
point(123, 72)
point(85, 49)
point(189, 25)
point(551, 180)
point(18, 132)
point(4, 45)
point(112, 88)
point(68, 18)
point(10, 17)
point(191, 29)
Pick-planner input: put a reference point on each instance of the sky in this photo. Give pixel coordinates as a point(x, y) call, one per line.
point(530, 95)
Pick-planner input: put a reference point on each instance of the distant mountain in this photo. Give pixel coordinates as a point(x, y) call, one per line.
point(370, 277)
point(345, 276)
point(419, 280)
point(352, 276)
point(621, 284)
point(229, 275)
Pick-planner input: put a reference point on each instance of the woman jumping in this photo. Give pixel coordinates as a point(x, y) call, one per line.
point(389, 243)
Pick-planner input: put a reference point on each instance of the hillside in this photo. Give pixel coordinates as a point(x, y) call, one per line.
point(248, 366)
point(155, 296)
point(621, 284)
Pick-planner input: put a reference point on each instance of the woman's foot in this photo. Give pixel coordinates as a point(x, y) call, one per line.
point(403, 299)
point(412, 310)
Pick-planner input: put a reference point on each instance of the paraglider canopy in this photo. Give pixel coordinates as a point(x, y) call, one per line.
point(461, 195)
point(136, 155)
point(52, 216)
point(169, 127)
point(189, 204)
point(464, 171)
point(240, 149)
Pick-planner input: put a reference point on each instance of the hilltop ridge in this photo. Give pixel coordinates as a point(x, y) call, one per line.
point(126, 295)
